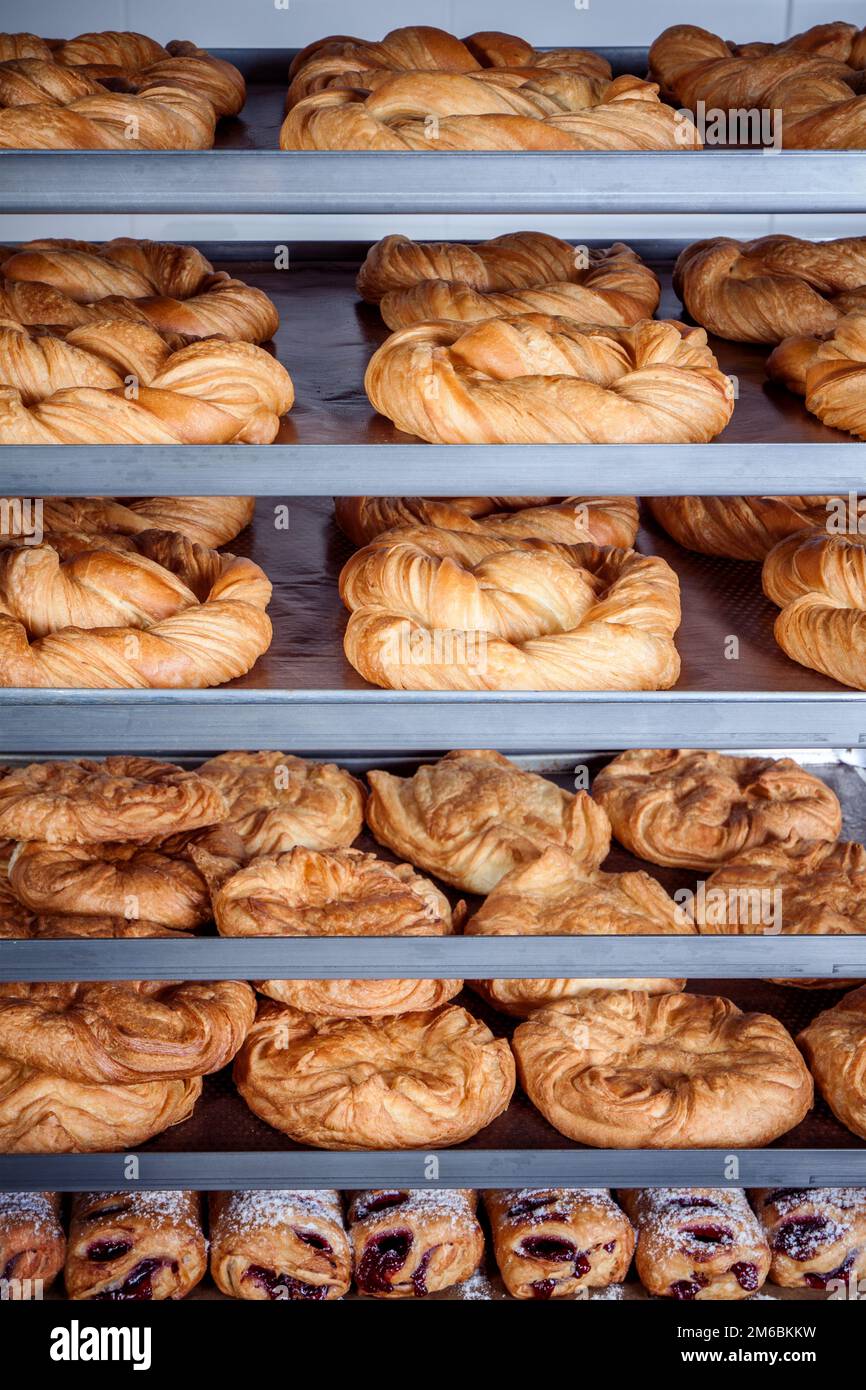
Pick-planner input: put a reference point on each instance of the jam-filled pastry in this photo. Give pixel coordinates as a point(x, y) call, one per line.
point(276, 801)
point(551, 1241)
point(697, 1242)
point(279, 1245)
point(32, 1239)
point(418, 1080)
point(834, 1045)
point(408, 1244)
point(817, 1235)
point(134, 1246)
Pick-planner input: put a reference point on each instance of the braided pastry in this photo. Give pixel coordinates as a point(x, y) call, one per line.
point(210, 521)
point(112, 90)
point(166, 614)
point(740, 528)
point(276, 800)
point(834, 1045)
point(134, 1246)
point(116, 382)
point(407, 1244)
point(175, 289)
point(571, 520)
point(120, 1033)
point(514, 274)
point(696, 809)
point(623, 1069)
point(817, 1236)
point(772, 288)
point(435, 610)
point(550, 1242)
point(830, 372)
point(32, 1239)
point(532, 379)
point(816, 94)
point(280, 1245)
point(491, 109)
point(697, 1242)
point(819, 583)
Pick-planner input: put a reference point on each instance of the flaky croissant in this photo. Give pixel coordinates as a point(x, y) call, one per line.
point(819, 583)
point(117, 382)
point(571, 520)
point(532, 379)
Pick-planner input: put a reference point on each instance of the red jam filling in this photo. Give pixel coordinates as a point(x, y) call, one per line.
point(383, 1256)
point(284, 1286)
point(101, 1251)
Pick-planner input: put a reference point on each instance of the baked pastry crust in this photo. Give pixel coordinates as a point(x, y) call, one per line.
point(280, 1245)
point(474, 815)
point(211, 521)
point(696, 809)
point(570, 520)
point(420, 1080)
point(523, 272)
point(550, 1242)
point(434, 610)
point(123, 797)
point(535, 379)
point(817, 1236)
point(407, 1244)
point(819, 583)
point(627, 1070)
point(697, 1243)
point(740, 528)
point(32, 1239)
point(276, 801)
point(556, 895)
point(834, 1045)
point(829, 371)
point(40, 1113)
point(138, 1246)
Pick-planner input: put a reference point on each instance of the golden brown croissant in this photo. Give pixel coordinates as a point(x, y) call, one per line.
point(817, 1235)
point(532, 379)
point(741, 528)
point(819, 582)
point(571, 520)
point(168, 613)
point(137, 1246)
point(522, 272)
point(121, 1033)
point(698, 809)
point(117, 382)
point(829, 371)
point(834, 1045)
point(173, 288)
point(212, 521)
point(556, 895)
point(773, 288)
point(473, 816)
point(551, 1241)
point(280, 1245)
point(814, 93)
point(436, 610)
point(32, 1242)
point(697, 1242)
point(120, 798)
point(407, 1244)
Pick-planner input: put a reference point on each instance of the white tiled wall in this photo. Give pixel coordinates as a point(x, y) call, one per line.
point(290, 23)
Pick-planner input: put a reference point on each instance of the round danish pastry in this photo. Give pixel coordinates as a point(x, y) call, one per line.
point(626, 1070)
point(211, 521)
point(696, 809)
point(697, 1242)
point(829, 371)
point(835, 1048)
point(472, 816)
point(417, 1081)
point(739, 528)
point(817, 1235)
point(819, 583)
point(276, 801)
point(570, 521)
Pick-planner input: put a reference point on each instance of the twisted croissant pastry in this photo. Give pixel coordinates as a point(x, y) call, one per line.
point(834, 1045)
point(210, 521)
point(829, 372)
point(815, 93)
point(532, 379)
point(502, 109)
point(112, 90)
point(166, 614)
point(819, 582)
point(519, 273)
point(434, 610)
point(134, 1246)
point(116, 382)
point(772, 288)
point(175, 289)
point(741, 528)
point(602, 520)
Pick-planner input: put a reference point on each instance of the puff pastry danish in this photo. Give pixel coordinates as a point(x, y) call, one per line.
point(697, 1243)
point(32, 1241)
point(124, 1032)
point(279, 1245)
point(419, 1080)
point(551, 1241)
point(817, 1235)
point(126, 1246)
point(834, 1045)
point(819, 583)
point(695, 809)
point(569, 520)
point(472, 816)
point(829, 371)
point(276, 800)
point(740, 528)
point(556, 895)
point(406, 1244)
point(623, 1070)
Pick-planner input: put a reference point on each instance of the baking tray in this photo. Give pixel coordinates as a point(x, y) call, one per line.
point(247, 172)
point(209, 956)
point(332, 440)
point(303, 694)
